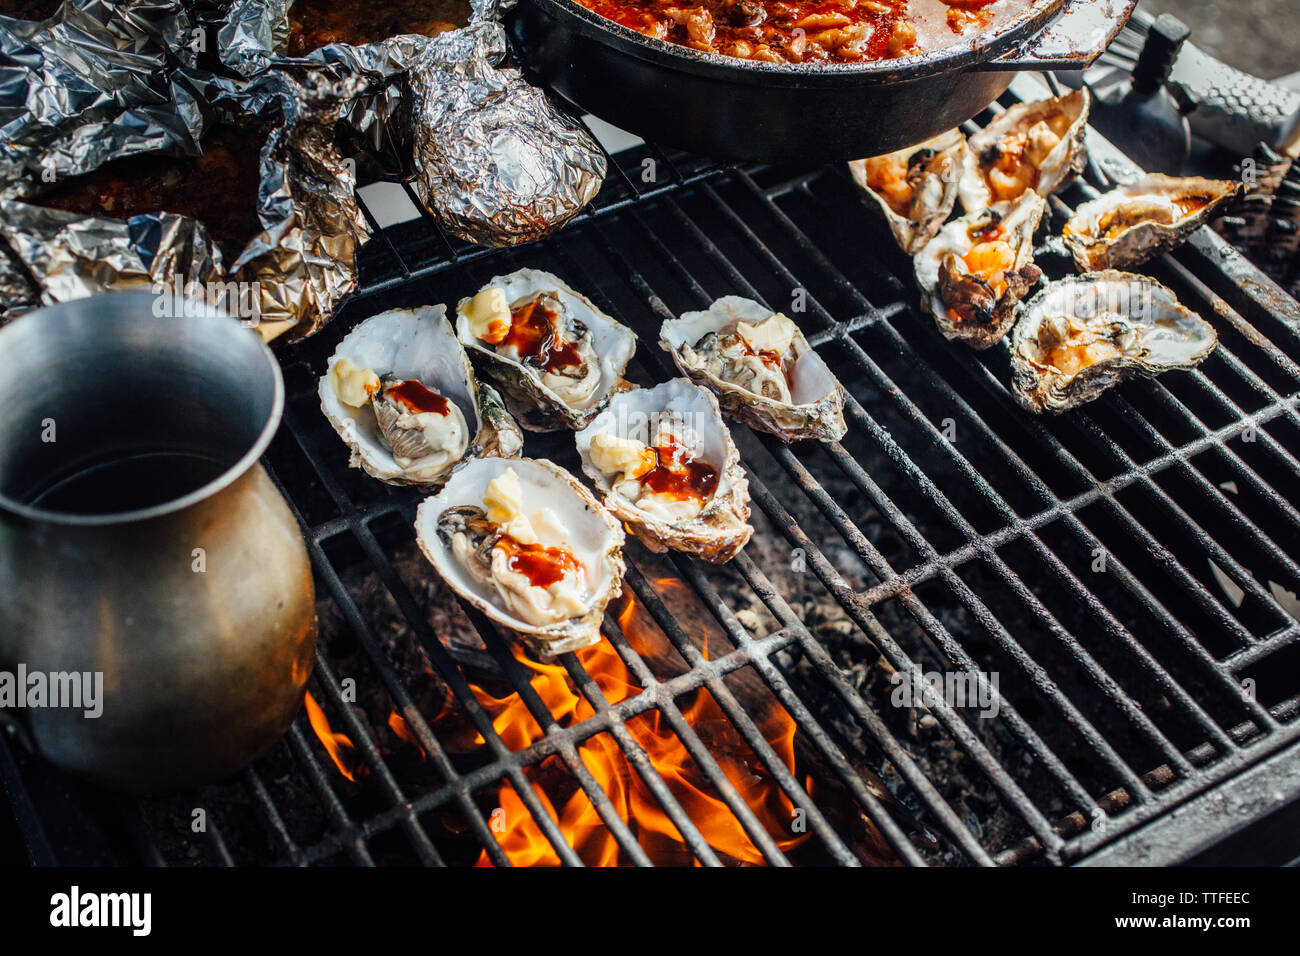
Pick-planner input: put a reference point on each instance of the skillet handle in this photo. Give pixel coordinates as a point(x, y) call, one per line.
point(1078, 35)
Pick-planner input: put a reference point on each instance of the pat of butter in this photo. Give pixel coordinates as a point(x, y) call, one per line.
point(354, 386)
point(489, 315)
point(772, 334)
point(504, 500)
point(626, 457)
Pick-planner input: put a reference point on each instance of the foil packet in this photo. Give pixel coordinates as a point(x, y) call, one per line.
point(496, 162)
point(254, 36)
point(284, 281)
point(93, 80)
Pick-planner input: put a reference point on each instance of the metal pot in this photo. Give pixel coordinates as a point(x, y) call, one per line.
point(750, 110)
point(141, 540)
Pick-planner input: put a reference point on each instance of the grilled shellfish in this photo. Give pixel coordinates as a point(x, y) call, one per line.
point(554, 355)
point(975, 272)
point(915, 189)
point(761, 368)
point(1133, 223)
point(666, 465)
point(401, 393)
point(1030, 147)
point(1080, 336)
point(523, 542)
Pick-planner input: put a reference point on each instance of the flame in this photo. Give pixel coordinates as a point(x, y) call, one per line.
point(583, 829)
point(398, 725)
point(338, 746)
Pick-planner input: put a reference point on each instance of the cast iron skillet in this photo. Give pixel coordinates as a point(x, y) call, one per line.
point(750, 110)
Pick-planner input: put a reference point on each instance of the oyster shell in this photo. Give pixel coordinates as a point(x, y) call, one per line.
point(793, 399)
point(556, 357)
point(915, 188)
point(396, 431)
point(666, 465)
point(476, 528)
point(1080, 336)
point(1133, 223)
point(1029, 147)
point(973, 274)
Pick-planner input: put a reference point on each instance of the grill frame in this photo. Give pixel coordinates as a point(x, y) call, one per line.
point(1225, 286)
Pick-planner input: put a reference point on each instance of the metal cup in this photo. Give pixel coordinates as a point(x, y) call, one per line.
point(141, 540)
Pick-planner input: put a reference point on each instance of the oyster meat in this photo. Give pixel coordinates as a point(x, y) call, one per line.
point(1080, 336)
point(1030, 147)
point(761, 368)
point(526, 544)
point(1135, 222)
point(401, 393)
point(915, 189)
point(666, 465)
point(975, 272)
point(555, 356)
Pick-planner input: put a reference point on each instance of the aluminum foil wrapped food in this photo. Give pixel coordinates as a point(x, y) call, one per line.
point(496, 162)
point(263, 222)
point(306, 36)
point(94, 79)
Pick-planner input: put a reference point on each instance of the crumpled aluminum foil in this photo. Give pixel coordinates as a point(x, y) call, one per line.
point(496, 162)
point(377, 118)
point(293, 273)
point(93, 80)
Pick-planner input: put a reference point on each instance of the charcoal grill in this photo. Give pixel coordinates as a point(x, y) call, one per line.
point(1123, 570)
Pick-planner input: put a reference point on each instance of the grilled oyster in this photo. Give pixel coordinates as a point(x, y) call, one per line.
point(1035, 147)
point(973, 274)
point(1133, 223)
point(666, 465)
point(554, 355)
point(526, 544)
point(761, 368)
point(1080, 336)
point(400, 392)
point(915, 189)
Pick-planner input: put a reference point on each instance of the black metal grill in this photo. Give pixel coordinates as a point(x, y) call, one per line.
point(1122, 569)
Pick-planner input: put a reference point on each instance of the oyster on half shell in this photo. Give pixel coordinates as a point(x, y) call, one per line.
point(554, 355)
point(761, 368)
point(665, 463)
point(1081, 335)
point(975, 272)
point(1135, 222)
point(915, 188)
point(522, 541)
point(400, 391)
point(1030, 147)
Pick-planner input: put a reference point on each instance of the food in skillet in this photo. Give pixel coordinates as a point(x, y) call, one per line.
point(530, 547)
point(761, 368)
point(978, 268)
point(810, 31)
point(915, 188)
point(400, 392)
point(555, 356)
point(665, 463)
point(1132, 223)
point(1080, 336)
point(218, 188)
point(1030, 147)
point(317, 23)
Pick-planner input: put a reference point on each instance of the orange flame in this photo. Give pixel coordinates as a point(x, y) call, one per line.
point(578, 821)
point(398, 725)
point(338, 746)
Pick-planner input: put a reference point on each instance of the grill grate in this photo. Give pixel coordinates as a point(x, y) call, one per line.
point(1122, 570)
